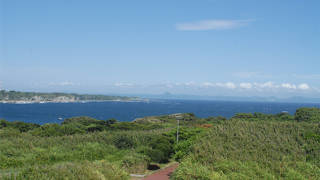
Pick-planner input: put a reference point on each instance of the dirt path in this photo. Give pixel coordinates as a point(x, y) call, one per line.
point(163, 174)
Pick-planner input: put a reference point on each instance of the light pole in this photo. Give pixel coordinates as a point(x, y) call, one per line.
point(178, 118)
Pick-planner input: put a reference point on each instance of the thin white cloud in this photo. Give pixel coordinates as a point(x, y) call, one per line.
point(64, 83)
point(229, 85)
point(208, 84)
point(212, 25)
point(245, 85)
point(288, 86)
point(304, 86)
point(122, 84)
point(191, 83)
point(268, 85)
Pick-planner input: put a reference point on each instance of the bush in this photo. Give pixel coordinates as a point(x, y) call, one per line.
point(48, 130)
point(158, 150)
point(161, 149)
point(156, 155)
point(94, 128)
point(99, 170)
point(9, 132)
point(216, 120)
point(3, 123)
point(244, 116)
point(123, 142)
point(307, 114)
point(189, 170)
point(21, 126)
point(182, 149)
point(70, 129)
point(84, 120)
point(240, 149)
point(135, 163)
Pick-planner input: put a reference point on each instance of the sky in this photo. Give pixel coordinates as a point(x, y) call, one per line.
point(196, 47)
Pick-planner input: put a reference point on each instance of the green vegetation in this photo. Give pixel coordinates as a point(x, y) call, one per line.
point(257, 146)
point(14, 96)
point(246, 146)
point(81, 147)
point(308, 115)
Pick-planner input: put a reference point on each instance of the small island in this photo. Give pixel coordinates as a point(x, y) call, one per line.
point(17, 97)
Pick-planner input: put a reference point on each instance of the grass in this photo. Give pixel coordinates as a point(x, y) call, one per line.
point(23, 149)
point(86, 170)
point(247, 146)
point(254, 150)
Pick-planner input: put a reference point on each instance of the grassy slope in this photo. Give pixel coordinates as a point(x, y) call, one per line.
point(20, 152)
point(249, 146)
point(254, 150)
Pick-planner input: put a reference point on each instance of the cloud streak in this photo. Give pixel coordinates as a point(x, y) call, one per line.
point(64, 83)
point(253, 86)
point(206, 25)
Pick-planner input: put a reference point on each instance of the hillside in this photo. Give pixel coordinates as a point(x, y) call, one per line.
point(255, 150)
point(246, 146)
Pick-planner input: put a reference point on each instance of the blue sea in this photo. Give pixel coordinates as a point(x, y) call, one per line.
point(128, 111)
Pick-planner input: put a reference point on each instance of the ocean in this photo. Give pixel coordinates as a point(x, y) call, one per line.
point(128, 111)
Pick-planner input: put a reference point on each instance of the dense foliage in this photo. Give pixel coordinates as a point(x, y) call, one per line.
point(246, 146)
point(308, 114)
point(257, 146)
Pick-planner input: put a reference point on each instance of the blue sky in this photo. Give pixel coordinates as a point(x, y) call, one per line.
point(200, 47)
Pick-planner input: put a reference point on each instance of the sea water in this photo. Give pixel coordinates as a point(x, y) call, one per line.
point(128, 111)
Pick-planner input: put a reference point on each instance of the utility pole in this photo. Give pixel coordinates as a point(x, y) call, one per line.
point(178, 118)
point(178, 130)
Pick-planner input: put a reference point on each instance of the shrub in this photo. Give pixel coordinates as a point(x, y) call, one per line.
point(84, 120)
point(94, 127)
point(9, 132)
point(189, 170)
point(111, 121)
point(240, 149)
point(216, 120)
point(123, 142)
point(244, 116)
point(47, 130)
point(3, 123)
point(99, 170)
point(135, 163)
point(156, 155)
point(70, 129)
point(21, 126)
point(307, 114)
point(182, 149)
point(161, 149)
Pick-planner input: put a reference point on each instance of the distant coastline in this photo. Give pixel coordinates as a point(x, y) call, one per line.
point(87, 101)
point(16, 97)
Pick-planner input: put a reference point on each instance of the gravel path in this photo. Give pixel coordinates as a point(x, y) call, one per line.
point(163, 174)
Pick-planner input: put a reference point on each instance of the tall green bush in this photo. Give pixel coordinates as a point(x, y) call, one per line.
point(308, 114)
